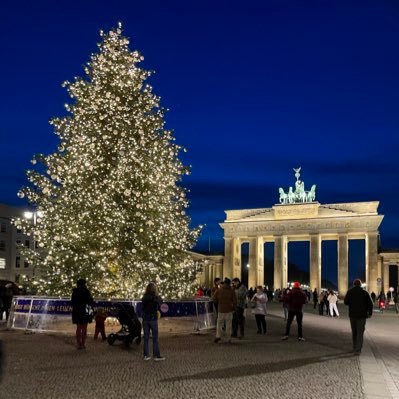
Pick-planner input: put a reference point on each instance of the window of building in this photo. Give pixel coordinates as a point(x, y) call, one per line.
point(26, 264)
point(2, 263)
point(27, 243)
point(3, 227)
point(2, 245)
point(17, 261)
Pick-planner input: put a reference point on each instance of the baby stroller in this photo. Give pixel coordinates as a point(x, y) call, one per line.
point(131, 326)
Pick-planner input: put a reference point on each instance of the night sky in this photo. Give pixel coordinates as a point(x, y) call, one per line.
point(254, 89)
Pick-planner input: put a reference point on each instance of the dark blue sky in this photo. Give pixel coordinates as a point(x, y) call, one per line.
point(254, 89)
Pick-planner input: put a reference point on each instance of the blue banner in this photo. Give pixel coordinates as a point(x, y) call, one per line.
point(63, 307)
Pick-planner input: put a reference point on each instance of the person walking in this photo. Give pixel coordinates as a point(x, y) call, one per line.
point(260, 300)
point(360, 308)
point(332, 300)
point(295, 300)
point(81, 311)
point(238, 316)
point(226, 299)
point(315, 298)
point(151, 304)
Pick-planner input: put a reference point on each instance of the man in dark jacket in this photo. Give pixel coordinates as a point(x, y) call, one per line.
point(227, 302)
point(360, 308)
point(294, 299)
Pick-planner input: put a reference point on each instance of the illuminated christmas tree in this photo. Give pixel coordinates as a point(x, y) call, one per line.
point(112, 208)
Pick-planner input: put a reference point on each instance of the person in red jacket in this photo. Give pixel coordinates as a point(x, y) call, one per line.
point(295, 300)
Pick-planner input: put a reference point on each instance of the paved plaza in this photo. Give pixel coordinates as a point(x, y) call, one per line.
point(48, 365)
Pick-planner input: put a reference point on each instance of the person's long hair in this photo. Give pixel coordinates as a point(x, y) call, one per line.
point(151, 289)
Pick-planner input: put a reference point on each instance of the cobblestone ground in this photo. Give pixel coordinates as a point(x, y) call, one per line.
point(48, 366)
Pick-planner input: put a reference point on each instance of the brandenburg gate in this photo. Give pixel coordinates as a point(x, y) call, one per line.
point(299, 217)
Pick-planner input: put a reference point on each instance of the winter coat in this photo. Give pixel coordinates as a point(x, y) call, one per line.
point(332, 298)
point(226, 299)
point(260, 303)
point(241, 294)
point(151, 304)
point(359, 302)
point(81, 298)
point(295, 300)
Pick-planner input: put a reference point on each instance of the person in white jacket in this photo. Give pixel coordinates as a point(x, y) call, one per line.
point(260, 300)
point(332, 300)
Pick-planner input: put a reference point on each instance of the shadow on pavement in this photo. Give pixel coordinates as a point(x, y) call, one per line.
point(258, 368)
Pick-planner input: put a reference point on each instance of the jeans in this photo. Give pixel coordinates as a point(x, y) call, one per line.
point(261, 323)
point(357, 326)
point(299, 317)
point(151, 325)
point(238, 321)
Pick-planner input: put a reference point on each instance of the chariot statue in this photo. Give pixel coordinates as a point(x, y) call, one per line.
point(300, 195)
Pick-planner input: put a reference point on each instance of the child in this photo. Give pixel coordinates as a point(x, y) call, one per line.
point(100, 324)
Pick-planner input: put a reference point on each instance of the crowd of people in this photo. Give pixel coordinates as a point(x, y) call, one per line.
point(232, 300)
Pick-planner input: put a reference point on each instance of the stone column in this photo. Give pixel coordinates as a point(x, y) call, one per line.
point(260, 264)
point(280, 262)
point(342, 265)
point(385, 279)
point(252, 263)
point(228, 258)
point(219, 271)
point(372, 261)
point(236, 258)
point(315, 262)
point(210, 275)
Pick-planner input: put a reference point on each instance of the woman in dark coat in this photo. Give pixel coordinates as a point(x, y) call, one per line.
point(81, 298)
point(151, 303)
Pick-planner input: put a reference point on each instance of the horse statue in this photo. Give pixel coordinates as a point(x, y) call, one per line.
point(311, 195)
point(283, 196)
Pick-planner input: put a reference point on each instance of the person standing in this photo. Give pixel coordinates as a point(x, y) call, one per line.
point(151, 304)
point(396, 300)
point(226, 299)
point(295, 300)
point(260, 300)
point(81, 305)
point(360, 308)
point(315, 298)
point(332, 300)
point(321, 303)
point(216, 286)
point(238, 316)
point(100, 318)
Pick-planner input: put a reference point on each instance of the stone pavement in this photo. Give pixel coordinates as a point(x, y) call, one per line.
point(48, 365)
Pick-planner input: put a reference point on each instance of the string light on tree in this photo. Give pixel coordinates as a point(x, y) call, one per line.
point(112, 205)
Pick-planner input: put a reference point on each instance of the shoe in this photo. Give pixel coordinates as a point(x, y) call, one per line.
point(301, 339)
point(216, 340)
point(259, 332)
point(284, 338)
point(159, 359)
point(147, 358)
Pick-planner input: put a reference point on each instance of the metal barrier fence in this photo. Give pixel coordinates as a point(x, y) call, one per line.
point(49, 314)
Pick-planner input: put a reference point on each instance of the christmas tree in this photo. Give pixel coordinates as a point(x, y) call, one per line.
point(112, 208)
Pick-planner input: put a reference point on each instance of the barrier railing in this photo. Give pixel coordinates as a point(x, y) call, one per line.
point(52, 314)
